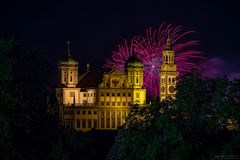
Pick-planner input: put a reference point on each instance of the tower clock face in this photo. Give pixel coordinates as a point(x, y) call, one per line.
point(162, 89)
point(172, 89)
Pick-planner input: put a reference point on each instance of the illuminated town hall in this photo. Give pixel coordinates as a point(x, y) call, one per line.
point(102, 100)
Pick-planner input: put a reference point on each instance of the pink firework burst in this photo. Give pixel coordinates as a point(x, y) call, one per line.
point(148, 48)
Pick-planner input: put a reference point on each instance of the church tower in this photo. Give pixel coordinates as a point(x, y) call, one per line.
point(168, 72)
point(68, 70)
point(134, 70)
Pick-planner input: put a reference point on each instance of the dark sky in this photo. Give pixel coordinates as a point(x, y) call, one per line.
point(94, 28)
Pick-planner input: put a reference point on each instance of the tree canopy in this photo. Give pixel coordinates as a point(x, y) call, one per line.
point(201, 123)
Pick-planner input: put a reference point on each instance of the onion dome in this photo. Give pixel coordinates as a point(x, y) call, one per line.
point(68, 60)
point(133, 61)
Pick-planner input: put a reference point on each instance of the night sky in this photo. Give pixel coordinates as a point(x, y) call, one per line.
point(95, 28)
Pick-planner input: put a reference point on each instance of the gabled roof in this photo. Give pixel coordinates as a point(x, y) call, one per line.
point(90, 79)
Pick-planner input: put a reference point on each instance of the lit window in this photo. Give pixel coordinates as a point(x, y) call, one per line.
point(108, 122)
point(78, 123)
point(102, 122)
point(95, 123)
point(89, 123)
point(84, 123)
point(71, 94)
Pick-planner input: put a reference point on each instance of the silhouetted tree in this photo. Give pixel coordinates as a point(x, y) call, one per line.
point(27, 129)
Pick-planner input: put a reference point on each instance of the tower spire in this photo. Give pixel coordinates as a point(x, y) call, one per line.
point(168, 41)
point(68, 49)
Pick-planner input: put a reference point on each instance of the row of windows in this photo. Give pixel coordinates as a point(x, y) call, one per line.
point(114, 103)
point(107, 122)
point(131, 80)
point(168, 58)
point(68, 113)
point(68, 123)
point(132, 73)
point(87, 123)
point(170, 80)
point(66, 72)
point(89, 112)
point(65, 79)
point(118, 94)
point(118, 113)
point(89, 94)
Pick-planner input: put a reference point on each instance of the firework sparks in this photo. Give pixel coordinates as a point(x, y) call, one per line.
point(148, 48)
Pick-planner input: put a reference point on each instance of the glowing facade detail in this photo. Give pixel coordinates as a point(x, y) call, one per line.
point(168, 73)
point(148, 49)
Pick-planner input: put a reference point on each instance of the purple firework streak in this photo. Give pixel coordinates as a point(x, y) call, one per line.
point(148, 48)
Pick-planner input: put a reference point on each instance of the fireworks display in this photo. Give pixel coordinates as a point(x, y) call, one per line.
point(148, 48)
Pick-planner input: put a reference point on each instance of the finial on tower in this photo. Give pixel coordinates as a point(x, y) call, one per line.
point(88, 66)
point(168, 42)
point(68, 49)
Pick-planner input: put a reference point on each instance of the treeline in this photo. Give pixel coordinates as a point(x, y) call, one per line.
point(29, 124)
point(202, 123)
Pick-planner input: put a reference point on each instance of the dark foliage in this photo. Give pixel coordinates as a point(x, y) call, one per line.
point(29, 111)
point(202, 123)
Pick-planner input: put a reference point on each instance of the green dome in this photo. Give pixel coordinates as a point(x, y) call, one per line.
point(133, 61)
